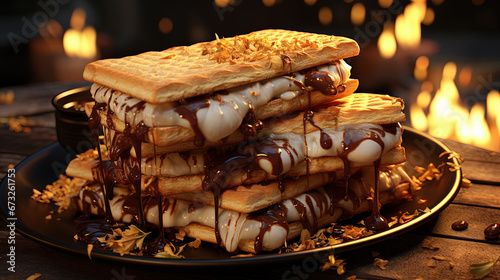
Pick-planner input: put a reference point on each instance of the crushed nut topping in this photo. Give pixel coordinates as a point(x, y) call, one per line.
point(380, 263)
point(252, 48)
point(427, 244)
point(60, 192)
point(332, 263)
point(20, 123)
point(171, 252)
point(353, 232)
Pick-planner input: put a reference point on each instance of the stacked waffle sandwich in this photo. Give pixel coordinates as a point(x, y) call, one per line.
point(242, 141)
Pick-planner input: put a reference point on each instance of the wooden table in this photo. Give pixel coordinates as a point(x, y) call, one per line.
point(408, 259)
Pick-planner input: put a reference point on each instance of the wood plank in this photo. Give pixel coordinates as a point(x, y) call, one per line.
point(478, 165)
point(480, 171)
point(469, 152)
point(477, 217)
point(409, 260)
point(26, 143)
point(479, 194)
point(35, 98)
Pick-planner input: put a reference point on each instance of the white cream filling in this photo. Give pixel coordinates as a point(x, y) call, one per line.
point(367, 152)
point(226, 111)
point(235, 226)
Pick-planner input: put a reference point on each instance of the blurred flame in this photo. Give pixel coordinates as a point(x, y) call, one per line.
point(80, 40)
point(478, 127)
point(325, 15)
point(407, 26)
point(492, 113)
point(358, 13)
point(424, 99)
point(421, 65)
point(429, 16)
point(447, 117)
point(465, 76)
point(51, 30)
point(268, 3)
point(387, 42)
point(418, 118)
point(385, 3)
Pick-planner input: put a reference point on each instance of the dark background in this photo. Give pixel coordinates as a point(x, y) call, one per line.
point(462, 31)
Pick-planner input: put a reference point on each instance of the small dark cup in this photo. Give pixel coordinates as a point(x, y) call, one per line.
point(72, 124)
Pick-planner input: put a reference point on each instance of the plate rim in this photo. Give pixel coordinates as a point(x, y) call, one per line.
point(256, 259)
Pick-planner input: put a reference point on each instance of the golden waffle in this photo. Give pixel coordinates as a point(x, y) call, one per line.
point(168, 137)
point(355, 109)
point(207, 234)
point(82, 168)
point(183, 72)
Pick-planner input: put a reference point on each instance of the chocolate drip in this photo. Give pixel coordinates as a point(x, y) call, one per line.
point(94, 124)
point(352, 138)
point(302, 211)
point(131, 205)
point(325, 139)
point(120, 146)
point(336, 193)
point(275, 215)
point(217, 170)
point(271, 151)
point(89, 231)
point(251, 125)
point(135, 172)
point(322, 81)
point(188, 112)
point(376, 221)
point(132, 171)
point(281, 183)
point(391, 128)
point(109, 119)
point(160, 242)
point(88, 194)
point(307, 115)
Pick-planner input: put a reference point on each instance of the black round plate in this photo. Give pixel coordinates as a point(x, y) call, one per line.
point(43, 167)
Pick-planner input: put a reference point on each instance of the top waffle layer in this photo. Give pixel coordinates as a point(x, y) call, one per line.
point(188, 71)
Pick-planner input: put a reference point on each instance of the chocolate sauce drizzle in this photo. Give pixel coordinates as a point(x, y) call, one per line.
point(251, 124)
point(121, 168)
point(106, 185)
point(217, 170)
point(376, 222)
point(275, 215)
point(125, 169)
point(188, 112)
point(322, 81)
